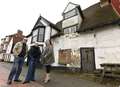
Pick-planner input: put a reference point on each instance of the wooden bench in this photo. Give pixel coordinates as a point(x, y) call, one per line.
point(111, 70)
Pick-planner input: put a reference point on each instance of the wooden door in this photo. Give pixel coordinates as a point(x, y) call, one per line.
point(87, 59)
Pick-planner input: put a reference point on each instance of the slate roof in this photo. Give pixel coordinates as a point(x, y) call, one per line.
point(96, 16)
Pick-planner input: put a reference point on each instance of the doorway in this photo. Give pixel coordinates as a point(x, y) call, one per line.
point(87, 59)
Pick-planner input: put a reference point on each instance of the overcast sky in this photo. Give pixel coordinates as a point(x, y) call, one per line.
point(23, 14)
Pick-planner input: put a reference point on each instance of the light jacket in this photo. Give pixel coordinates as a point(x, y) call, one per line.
point(18, 48)
point(48, 56)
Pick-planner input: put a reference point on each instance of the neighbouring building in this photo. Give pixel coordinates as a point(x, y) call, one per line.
point(89, 37)
point(8, 43)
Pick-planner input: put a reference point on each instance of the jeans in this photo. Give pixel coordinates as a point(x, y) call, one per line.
point(31, 70)
point(16, 68)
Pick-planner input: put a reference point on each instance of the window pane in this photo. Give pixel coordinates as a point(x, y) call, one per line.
point(41, 30)
point(41, 38)
point(41, 34)
point(34, 39)
point(66, 30)
point(70, 29)
point(70, 14)
point(35, 32)
point(73, 29)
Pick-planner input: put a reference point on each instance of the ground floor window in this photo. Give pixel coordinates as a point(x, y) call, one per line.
point(70, 57)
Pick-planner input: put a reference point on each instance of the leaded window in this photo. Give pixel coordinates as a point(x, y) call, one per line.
point(35, 35)
point(41, 34)
point(38, 35)
point(71, 29)
point(70, 14)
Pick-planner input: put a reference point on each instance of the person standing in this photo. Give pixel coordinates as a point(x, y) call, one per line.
point(34, 57)
point(19, 51)
point(48, 59)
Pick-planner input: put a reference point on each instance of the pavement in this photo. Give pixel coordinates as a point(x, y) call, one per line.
point(4, 72)
point(58, 79)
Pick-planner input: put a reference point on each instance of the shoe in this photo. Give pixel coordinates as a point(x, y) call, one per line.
point(46, 81)
point(9, 82)
point(33, 80)
point(26, 82)
point(17, 81)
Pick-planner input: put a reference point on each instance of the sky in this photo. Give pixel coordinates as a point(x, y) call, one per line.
point(23, 14)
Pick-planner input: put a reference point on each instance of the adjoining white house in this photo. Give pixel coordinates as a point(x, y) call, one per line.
point(8, 43)
point(89, 37)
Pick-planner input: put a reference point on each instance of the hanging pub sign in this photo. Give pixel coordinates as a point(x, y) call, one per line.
point(116, 6)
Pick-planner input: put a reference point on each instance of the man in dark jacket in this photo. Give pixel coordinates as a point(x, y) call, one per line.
point(34, 56)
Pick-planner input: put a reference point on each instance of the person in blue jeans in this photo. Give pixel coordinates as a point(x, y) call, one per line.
point(34, 57)
point(19, 52)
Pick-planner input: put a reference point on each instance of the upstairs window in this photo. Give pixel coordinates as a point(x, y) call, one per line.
point(38, 35)
point(70, 29)
point(35, 35)
point(70, 14)
point(41, 34)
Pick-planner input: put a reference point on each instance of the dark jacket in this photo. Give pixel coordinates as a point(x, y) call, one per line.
point(34, 52)
point(48, 56)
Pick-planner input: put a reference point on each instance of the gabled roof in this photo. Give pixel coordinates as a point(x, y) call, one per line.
point(72, 7)
point(59, 25)
point(40, 24)
point(97, 16)
point(51, 24)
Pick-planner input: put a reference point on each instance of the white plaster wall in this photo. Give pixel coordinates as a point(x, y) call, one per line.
point(9, 47)
point(47, 29)
point(29, 41)
point(105, 41)
point(107, 48)
point(53, 32)
point(11, 58)
point(72, 41)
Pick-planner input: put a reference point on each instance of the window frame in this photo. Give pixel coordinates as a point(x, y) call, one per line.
point(34, 35)
point(38, 28)
point(43, 34)
point(71, 15)
point(69, 29)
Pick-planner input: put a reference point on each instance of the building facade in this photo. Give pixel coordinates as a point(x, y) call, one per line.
point(42, 30)
point(8, 43)
point(89, 37)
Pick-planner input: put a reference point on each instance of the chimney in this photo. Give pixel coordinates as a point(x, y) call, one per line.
point(104, 2)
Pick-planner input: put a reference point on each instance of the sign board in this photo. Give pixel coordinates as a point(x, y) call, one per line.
point(116, 6)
